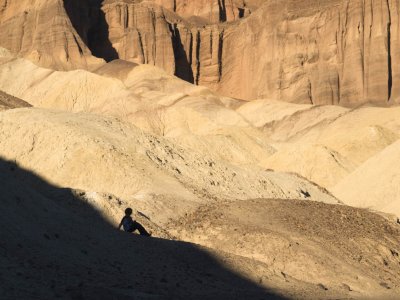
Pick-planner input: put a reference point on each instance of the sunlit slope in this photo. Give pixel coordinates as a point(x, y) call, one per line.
point(103, 154)
point(375, 184)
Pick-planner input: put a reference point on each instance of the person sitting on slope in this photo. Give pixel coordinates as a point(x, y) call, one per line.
point(130, 225)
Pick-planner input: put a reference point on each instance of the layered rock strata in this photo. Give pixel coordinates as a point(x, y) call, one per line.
point(42, 31)
point(321, 52)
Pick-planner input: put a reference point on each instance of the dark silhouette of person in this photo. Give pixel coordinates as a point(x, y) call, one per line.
point(131, 225)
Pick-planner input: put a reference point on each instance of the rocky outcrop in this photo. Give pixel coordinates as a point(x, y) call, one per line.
point(327, 52)
point(150, 34)
point(42, 31)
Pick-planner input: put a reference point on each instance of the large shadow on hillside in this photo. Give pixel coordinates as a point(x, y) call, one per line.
point(90, 23)
point(55, 245)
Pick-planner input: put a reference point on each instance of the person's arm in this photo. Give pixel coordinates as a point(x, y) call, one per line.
point(120, 224)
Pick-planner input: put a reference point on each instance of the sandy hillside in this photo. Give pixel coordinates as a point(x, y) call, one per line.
point(72, 251)
point(56, 245)
point(375, 184)
point(303, 139)
point(105, 155)
point(337, 248)
point(313, 139)
point(145, 96)
point(190, 162)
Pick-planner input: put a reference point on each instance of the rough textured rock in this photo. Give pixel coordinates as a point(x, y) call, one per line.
point(321, 52)
point(326, 52)
point(42, 31)
point(211, 11)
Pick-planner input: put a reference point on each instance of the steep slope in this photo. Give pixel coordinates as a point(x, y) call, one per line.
point(322, 143)
point(337, 249)
point(56, 245)
point(274, 135)
point(375, 183)
point(162, 178)
point(71, 237)
point(146, 96)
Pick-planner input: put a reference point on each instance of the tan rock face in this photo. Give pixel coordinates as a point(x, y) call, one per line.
point(315, 52)
point(211, 11)
point(326, 52)
point(41, 31)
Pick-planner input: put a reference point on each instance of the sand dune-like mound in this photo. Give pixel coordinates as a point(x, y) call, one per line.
point(145, 96)
point(375, 183)
point(274, 135)
point(105, 155)
point(322, 143)
point(339, 249)
point(316, 162)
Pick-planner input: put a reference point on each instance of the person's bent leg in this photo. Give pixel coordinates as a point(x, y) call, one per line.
point(141, 229)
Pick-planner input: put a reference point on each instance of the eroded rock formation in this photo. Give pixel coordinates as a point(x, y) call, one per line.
point(318, 52)
point(42, 31)
point(322, 52)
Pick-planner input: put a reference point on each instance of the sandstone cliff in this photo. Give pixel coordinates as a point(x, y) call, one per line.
point(321, 52)
point(325, 52)
point(317, 52)
point(42, 31)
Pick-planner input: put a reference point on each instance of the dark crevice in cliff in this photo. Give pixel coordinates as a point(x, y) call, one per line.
point(126, 25)
point(310, 95)
point(220, 49)
point(90, 23)
point(142, 47)
point(390, 72)
point(338, 88)
point(154, 36)
point(211, 42)
point(222, 10)
point(183, 68)
point(241, 12)
point(198, 41)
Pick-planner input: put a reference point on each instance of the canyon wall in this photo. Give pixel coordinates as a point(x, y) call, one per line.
point(321, 52)
point(41, 31)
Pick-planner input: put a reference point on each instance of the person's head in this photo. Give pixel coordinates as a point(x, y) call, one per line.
point(128, 211)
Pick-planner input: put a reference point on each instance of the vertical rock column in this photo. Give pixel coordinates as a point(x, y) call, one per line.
point(140, 34)
point(394, 28)
point(207, 56)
